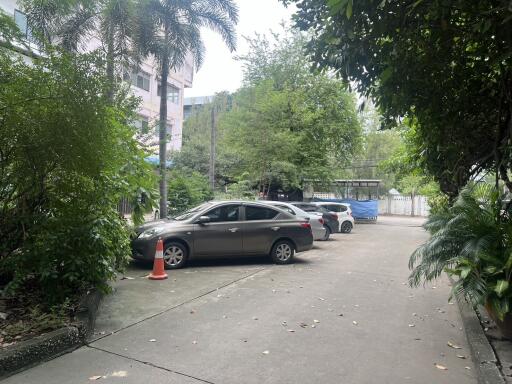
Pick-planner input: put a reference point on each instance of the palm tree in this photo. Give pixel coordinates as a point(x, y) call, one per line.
point(68, 23)
point(168, 31)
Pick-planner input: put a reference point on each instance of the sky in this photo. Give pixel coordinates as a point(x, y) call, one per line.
point(220, 71)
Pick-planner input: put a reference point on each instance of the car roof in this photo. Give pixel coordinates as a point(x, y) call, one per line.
point(330, 203)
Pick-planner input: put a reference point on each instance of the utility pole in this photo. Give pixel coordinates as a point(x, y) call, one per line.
point(213, 142)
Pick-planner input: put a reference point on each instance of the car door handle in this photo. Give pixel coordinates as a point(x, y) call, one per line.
point(275, 228)
point(233, 230)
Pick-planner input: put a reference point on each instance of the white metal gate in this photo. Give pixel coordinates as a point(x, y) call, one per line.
point(404, 205)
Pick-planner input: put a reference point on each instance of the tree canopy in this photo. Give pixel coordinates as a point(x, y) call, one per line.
point(446, 66)
point(284, 126)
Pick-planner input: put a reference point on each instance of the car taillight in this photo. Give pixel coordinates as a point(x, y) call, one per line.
point(350, 213)
point(305, 225)
point(322, 221)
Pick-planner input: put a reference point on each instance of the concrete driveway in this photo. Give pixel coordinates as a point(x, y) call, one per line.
point(341, 314)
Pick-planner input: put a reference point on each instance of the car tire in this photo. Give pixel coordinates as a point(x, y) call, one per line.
point(175, 255)
point(282, 252)
point(327, 233)
point(346, 227)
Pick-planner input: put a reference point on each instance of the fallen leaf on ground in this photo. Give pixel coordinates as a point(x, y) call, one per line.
point(354, 322)
point(341, 315)
point(255, 318)
point(265, 352)
point(411, 325)
point(152, 340)
point(441, 367)
point(95, 378)
point(316, 321)
point(119, 374)
point(194, 342)
point(454, 346)
point(291, 330)
point(192, 311)
point(461, 356)
point(127, 278)
point(303, 325)
point(417, 338)
point(321, 299)
point(467, 368)
point(313, 326)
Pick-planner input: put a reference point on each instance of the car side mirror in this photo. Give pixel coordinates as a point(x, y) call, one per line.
point(203, 220)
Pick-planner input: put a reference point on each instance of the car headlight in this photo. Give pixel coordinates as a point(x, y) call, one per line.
point(151, 232)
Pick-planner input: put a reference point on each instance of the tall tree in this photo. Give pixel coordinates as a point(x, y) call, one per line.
point(288, 124)
point(168, 31)
point(70, 24)
point(446, 65)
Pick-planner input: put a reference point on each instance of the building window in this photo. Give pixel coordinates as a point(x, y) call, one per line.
point(139, 79)
point(21, 21)
point(142, 124)
point(173, 93)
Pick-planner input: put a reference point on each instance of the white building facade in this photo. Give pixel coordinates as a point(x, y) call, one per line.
point(146, 85)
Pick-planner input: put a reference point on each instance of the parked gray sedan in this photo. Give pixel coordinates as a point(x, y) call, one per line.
point(224, 229)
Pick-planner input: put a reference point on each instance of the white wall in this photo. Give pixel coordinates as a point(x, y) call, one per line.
point(402, 205)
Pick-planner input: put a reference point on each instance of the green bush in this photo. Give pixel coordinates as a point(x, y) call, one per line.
point(472, 242)
point(67, 156)
point(186, 191)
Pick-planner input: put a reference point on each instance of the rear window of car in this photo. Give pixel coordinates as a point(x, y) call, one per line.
point(286, 209)
point(259, 213)
point(312, 208)
point(335, 208)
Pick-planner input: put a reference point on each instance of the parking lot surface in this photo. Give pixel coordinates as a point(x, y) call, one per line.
point(342, 313)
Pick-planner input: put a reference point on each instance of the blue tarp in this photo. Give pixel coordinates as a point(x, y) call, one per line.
point(155, 160)
point(361, 209)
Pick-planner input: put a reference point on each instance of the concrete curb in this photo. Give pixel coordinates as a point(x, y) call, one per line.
point(486, 362)
point(29, 353)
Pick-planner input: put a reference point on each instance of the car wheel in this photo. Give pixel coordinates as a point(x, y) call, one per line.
point(327, 233)
point(346, 227)
point(175, 255)
point(282, 252)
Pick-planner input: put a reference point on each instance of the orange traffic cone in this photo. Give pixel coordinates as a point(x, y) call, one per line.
point(158, 264)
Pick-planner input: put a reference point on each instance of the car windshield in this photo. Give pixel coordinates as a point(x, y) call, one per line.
point(191, 212)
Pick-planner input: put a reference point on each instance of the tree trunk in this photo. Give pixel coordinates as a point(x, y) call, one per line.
point(163, 136)
point(213, 139)
point(110, 65)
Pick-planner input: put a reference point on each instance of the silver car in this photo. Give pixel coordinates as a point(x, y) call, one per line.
point(318, 228)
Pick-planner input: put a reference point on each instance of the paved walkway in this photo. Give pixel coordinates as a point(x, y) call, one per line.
point(341, 314)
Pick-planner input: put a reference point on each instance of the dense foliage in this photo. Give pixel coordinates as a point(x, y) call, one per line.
point(284, 126)
point(186, 191)
point(447, 66)
point(67, 156)
point(472, 241)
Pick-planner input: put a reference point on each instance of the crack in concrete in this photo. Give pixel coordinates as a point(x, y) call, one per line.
point(151, 364)
point(176, 306)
